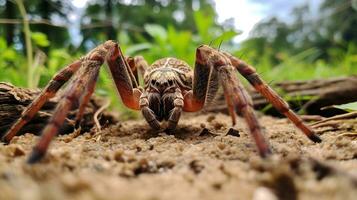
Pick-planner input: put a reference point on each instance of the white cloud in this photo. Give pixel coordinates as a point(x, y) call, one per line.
point(245, 14)
point(79, 3)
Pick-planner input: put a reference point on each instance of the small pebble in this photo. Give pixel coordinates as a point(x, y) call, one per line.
point(211, 118)
point(233, 132)
point(263, 193)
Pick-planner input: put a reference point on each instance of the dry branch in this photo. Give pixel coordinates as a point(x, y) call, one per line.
point(13, 100)
point(310, 96)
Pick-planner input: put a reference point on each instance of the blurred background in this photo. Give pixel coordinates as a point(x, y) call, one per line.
point(284, 40)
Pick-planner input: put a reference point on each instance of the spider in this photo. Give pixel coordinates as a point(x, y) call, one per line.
point(170, 88)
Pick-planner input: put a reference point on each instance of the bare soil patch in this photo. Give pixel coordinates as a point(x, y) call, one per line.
point(128, 161)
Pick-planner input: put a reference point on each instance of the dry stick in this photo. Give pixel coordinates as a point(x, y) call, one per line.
point(337, 117)
point(313, 94)
point(100, 110)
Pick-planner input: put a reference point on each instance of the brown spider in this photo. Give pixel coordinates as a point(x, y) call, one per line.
point(170, 88)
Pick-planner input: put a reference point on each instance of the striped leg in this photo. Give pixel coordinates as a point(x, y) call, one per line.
point(51, 89)
point(88, 93)
point(123, 77)
point(209, 63)
point(73, 95)
point(240, 98)
point(78, 92)
point(138, 66)
point(250, 74)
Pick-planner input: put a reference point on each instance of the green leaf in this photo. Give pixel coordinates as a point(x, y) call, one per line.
point(156, 31)
point(133, 49)
point(204, 22)
point(224, 37)
point(9, 54)
point(40, 39)
point(349, 107)
point(3, 44)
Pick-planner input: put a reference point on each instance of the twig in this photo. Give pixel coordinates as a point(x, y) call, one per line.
point(337, 117)
point(41, 21)
point(101, 109)
point(312, 117)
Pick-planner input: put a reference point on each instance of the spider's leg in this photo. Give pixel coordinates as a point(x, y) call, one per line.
point(88, 93)
point(240, 98)
point(123, 77)
point(209, 61)
point(141, 65)
point(138, 66)
point(72, 97)
point(230, 106)
point(51, 89)
point(282, 106)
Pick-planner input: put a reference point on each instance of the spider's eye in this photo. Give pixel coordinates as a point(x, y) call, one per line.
point(153, 82)
point(170, 82)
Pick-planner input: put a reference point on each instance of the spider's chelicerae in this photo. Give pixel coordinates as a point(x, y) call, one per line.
point(170, 88)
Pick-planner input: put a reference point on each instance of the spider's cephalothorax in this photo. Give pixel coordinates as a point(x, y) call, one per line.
point(170, 88)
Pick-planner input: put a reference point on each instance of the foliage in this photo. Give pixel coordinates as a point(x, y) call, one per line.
point(103, 19)
point(42, 11)
point(349, 107)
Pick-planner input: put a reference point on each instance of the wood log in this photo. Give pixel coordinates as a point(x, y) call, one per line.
point(14, 100)
point(308, 97)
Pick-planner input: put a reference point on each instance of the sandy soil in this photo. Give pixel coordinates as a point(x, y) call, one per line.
point(128, 161)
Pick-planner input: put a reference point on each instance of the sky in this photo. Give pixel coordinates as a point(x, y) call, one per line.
point(245, 13)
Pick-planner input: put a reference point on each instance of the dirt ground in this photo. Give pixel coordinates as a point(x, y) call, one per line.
point(128, 161)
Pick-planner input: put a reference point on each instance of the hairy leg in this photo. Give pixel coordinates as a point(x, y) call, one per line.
point(72, 97)
point(122, 75)
point(251, 75)
point(208, 62)
point(239, 97)
point(138, 66)
point(78, 92)
point(50, 90)
point(88, 93)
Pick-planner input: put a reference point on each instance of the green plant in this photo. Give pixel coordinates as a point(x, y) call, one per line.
point(349, 107)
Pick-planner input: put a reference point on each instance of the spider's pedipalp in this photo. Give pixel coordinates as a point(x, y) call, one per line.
point(51, 89)
point(175, 113)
